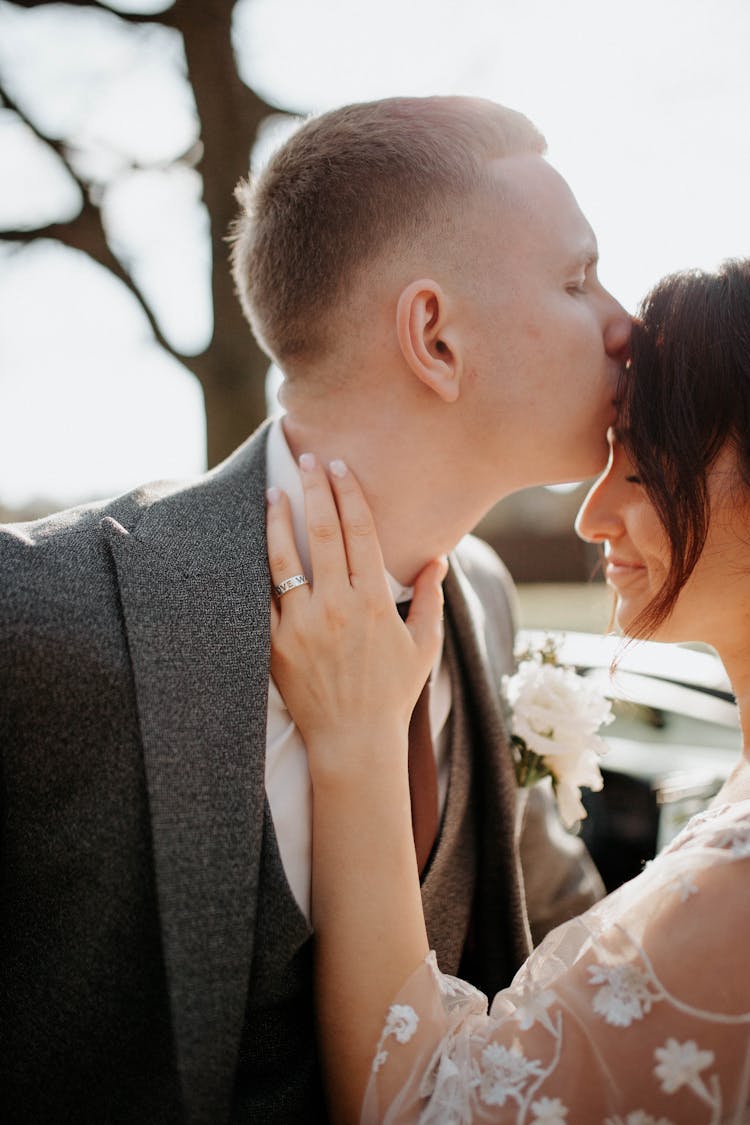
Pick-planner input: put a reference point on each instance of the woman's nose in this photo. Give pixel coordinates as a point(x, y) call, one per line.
point(598, 519)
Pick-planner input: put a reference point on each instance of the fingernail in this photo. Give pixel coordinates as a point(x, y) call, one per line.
point(273, 495)
point(307, 461)
point(338, 468)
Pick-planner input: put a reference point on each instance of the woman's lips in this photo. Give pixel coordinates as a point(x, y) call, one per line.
point(619, 572)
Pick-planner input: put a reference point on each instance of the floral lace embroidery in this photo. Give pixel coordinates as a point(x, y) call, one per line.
point(736, 840)
point(549, 1111)
point(447, 1090)
point(504, 1072)
point(378, 1061)
point(454, 992)
point(402, 1022)
point(623, 992)
point(684, 887)
point(694, 828)
point(680, 1065)
point(735, 837)
point(533, 1008)
point(626, 995)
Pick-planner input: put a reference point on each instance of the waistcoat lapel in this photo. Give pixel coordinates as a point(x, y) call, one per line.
point(195, 593)
point(501, 933)
point(449, 885)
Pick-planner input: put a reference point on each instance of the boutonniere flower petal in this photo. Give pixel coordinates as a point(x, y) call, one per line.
point(554, 717)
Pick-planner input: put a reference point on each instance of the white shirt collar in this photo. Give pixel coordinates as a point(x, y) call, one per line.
point(282, 472)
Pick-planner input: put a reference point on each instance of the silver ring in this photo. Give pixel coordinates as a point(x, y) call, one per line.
point(290, 584)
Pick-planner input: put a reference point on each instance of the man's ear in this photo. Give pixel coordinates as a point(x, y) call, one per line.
point(428, 340)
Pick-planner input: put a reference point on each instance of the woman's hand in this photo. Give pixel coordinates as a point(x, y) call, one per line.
point(350, 672)
point(341, 656)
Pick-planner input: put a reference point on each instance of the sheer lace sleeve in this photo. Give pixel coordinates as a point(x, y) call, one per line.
point(636, 1013)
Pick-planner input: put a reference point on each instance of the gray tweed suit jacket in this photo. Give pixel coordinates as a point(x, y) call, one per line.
point(134, 660)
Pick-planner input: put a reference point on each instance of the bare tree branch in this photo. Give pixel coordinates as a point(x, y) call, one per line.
point(57, 146)
point(166, 17)
point(85, 232)
point(232, 369)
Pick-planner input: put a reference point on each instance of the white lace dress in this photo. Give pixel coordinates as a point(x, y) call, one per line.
point(636, 1013)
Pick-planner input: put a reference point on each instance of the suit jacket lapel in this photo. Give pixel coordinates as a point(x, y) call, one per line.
point(195, 591)
point(500, 911)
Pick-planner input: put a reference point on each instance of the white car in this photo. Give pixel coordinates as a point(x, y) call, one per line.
point(675, 738)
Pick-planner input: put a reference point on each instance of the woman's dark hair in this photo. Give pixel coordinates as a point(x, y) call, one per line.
point(685, 394)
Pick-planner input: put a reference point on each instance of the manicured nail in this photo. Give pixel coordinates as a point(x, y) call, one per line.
point(307, 461)
point(273, 495)
point(338, 469)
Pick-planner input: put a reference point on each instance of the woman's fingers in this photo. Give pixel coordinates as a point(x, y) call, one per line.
point(426, 613)
point(340, 656)
point(327, 552)
point(345, 555)
point(283, 558)
point(363, 553)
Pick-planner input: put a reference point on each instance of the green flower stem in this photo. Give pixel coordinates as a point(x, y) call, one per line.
point(530, 767)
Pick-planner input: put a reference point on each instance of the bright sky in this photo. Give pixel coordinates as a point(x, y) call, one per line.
point(645, 105)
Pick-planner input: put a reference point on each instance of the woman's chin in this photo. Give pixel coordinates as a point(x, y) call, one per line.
point(625, 616)
point(626, 619)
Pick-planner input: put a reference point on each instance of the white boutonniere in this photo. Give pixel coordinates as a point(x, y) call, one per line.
point(554, 716)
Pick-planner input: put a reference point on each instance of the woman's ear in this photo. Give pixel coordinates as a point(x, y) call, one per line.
point(428, 340)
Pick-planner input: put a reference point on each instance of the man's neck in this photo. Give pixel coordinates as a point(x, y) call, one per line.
point(417, 489)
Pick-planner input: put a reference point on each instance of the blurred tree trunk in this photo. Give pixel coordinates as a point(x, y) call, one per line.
point(232, 369)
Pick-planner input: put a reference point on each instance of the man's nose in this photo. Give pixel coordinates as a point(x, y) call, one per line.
point(617, 333)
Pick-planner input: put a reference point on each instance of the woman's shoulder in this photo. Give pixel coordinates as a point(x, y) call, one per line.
point(724, 826)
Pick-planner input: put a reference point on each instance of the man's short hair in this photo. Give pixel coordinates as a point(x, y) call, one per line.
point(345, 187)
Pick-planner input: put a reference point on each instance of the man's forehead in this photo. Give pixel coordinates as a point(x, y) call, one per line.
point(529, 187)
